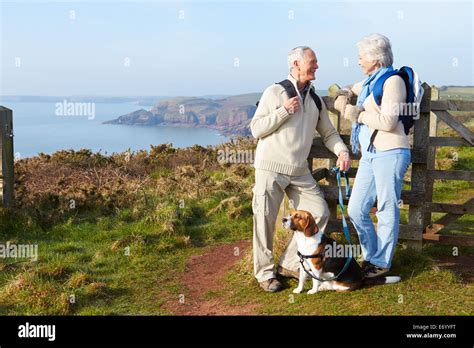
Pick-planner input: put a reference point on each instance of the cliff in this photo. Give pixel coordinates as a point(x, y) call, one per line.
point(230, 115)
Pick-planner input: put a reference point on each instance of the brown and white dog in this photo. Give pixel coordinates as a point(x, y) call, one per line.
point(312, 241)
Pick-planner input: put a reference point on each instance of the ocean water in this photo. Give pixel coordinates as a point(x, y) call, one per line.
point(42, 127)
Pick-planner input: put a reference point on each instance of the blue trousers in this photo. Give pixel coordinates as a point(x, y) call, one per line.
point(381, 179)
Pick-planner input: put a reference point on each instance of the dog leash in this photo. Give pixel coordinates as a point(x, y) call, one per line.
point(334, 170)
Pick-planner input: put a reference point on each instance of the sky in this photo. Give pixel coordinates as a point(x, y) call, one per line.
point(192, 48)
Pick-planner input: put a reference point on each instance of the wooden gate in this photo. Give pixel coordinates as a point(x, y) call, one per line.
point(6, 156)
point(423, 174)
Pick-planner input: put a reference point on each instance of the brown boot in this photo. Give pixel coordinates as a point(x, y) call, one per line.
point(284, 272)
point(270, 285)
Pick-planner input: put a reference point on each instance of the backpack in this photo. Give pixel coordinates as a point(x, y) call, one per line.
point(414, 95)
point(291, 91)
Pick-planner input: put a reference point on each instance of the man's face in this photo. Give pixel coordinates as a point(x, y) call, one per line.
point(308, 66)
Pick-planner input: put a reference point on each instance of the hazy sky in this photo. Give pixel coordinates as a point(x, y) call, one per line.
point(211, 47)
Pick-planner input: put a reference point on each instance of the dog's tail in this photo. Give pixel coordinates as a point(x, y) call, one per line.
point(382, 280)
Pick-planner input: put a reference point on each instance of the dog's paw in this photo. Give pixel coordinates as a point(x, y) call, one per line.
point(312, 291)
point(325, 286)
point(297, 290)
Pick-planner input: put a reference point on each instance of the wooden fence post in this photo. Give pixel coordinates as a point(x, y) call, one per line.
point(416, 212)
point(431, 156)
point(6, 156)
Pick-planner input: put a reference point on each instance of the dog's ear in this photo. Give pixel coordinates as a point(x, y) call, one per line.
point(311, 227)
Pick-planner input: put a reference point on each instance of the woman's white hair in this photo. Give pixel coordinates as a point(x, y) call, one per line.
point(296, 53)
point(376, 47)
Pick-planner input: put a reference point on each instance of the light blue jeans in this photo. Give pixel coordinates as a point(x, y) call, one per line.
point(381, 179)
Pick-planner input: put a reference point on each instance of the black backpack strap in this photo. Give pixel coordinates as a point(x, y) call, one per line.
point(316, 99)
point(291, 91)
point(289, 88)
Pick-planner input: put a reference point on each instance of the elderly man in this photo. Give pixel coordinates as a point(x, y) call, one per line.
point(285, 127)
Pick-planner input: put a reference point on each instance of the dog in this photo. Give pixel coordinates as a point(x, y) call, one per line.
point(312, 241)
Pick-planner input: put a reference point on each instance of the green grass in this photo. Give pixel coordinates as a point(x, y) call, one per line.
point(88, 251)
point(125, 262)
point(135, 284)
point(466, 93)
point(89, 260)
point(424, 290)
point(142, 282)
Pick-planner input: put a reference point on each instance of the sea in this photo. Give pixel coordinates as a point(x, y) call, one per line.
point(46, 127)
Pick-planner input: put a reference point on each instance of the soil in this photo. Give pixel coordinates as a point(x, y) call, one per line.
point(204, 275)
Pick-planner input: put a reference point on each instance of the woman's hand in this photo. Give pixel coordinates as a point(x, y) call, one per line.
point(340, 104)
point(352, 112)
point(343, 97)
point(343, 161)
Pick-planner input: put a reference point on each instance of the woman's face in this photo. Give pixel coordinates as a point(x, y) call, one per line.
point(368, 66)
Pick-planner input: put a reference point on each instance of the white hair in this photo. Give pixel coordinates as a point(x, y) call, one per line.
point(376, 47)
point(296, 53)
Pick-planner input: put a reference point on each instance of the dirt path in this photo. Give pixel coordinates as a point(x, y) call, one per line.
point(205, 273)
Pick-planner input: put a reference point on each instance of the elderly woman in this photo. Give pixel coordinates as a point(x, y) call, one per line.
point(383, 164)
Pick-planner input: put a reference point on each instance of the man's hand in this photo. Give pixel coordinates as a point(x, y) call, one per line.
point(292, 105)
point(343, 161)
point(352, 113)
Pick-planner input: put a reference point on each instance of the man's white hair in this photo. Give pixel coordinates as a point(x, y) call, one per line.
point(296, 53)
point(376, 47)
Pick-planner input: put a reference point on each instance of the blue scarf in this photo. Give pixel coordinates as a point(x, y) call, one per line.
point(367, 87)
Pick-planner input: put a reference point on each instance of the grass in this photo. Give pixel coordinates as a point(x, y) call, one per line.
point(123, 261)
point(137, 221)
point(86, 266)
point(111, 267)
point(463, 93)
point(425, 290)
